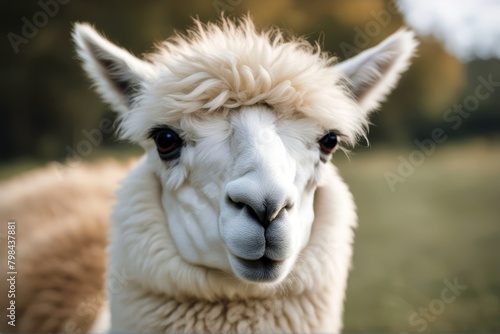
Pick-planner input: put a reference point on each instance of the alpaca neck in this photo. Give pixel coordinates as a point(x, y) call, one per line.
point(309, 312)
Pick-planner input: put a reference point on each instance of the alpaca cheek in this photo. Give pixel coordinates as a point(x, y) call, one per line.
point(193, 224)
point(304, 221)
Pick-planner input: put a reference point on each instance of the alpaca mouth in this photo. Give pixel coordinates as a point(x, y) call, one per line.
point(261, 270)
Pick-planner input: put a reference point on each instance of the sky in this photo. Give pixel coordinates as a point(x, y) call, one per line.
point(469, 29)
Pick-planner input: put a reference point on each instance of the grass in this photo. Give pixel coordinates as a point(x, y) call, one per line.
point(442, 223)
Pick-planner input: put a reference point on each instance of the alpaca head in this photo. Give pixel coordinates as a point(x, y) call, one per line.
point(238, 127)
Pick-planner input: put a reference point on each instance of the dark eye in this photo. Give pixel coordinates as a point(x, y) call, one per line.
point(328, 143)
point(168, 143)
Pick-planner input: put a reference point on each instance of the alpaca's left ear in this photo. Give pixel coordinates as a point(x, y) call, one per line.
point(373, 73)
point(116, 73)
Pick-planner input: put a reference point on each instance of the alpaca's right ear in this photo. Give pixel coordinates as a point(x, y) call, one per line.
point(116, 73)
point(373, 73)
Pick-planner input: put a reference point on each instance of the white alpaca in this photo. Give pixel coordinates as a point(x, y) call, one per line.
point(235, 220)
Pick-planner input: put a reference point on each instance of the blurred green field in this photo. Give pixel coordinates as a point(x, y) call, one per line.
point(442, 223)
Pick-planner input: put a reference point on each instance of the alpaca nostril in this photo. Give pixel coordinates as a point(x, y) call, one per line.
point(255, 216)
point(242, 206)
point(276, 214)
point(262, 212)
point(239, 205)
point(289, 205)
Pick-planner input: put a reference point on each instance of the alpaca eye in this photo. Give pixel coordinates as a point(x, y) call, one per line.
point(168, 143)
point(328, 143)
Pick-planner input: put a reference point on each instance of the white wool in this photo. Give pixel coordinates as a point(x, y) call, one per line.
point(164, 282)
point(250, 228)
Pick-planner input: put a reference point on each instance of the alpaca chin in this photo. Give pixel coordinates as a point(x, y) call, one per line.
point(263, 270)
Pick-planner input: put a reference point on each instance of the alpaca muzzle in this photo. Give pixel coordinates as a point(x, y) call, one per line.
point(256, 228)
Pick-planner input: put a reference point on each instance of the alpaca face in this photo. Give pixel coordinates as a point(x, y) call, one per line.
point(238, 126)
point(245, 182)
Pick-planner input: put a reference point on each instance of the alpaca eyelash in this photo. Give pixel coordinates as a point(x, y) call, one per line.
point(154, 131)
point(341, 140)
point(340, 136)
point(157, 129)
point(337, 133)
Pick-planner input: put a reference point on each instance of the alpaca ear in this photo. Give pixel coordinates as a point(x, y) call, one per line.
point(116, 73)
point(373, 73)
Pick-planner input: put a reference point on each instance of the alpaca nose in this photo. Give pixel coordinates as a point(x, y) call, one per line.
point(262, 208)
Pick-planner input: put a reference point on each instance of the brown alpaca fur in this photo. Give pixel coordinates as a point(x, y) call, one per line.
point(61, 237)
